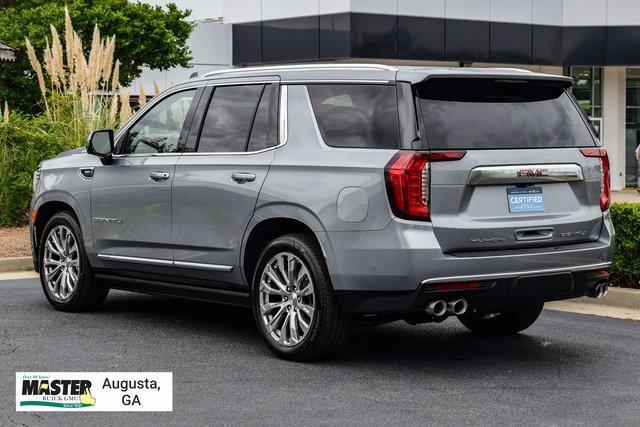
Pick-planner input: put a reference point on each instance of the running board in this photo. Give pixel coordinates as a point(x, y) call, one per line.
point(151, 287)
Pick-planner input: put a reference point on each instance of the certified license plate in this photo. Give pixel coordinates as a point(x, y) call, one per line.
point(528, 199)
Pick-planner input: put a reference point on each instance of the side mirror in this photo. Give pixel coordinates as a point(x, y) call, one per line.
point(100, 144)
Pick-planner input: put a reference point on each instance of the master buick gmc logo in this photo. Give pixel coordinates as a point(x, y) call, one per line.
point(529, 173)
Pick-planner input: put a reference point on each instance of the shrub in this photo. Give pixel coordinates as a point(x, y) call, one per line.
point(24, 142)
point(626, 262)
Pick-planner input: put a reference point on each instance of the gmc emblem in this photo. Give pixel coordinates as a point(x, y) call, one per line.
point(528, 173)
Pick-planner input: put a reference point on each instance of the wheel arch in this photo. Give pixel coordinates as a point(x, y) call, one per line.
point(273, 221)
point(50, 203)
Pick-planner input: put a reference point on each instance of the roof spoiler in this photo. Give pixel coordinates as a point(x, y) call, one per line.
point(415, 77)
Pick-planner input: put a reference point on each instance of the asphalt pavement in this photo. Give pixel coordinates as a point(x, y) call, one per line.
point(568, 369)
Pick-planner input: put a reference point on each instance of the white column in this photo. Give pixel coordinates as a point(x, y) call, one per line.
point(613, 122)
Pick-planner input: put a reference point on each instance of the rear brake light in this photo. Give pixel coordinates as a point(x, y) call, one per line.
point(408, 178)
point(605, 177)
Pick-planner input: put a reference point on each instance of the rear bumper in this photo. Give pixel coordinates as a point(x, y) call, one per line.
point(394, 270)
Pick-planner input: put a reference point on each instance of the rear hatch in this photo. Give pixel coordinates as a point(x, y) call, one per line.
point(529, 177)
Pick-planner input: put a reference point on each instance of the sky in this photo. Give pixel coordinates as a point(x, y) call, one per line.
point(201, 9)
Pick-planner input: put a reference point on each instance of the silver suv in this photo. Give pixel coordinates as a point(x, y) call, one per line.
point(326, 196)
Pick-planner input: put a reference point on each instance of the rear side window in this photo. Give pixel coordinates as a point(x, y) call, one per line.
point(264, 130)
point(229, 117)
point(356, 116)
point(500, 114)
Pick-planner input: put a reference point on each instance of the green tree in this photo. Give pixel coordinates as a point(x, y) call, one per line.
point(146, 35)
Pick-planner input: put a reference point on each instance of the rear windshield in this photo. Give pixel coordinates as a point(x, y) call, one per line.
point(500, 114)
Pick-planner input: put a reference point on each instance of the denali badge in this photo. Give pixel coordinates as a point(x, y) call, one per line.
point(574, 233)
point(486, 240)
point(528, 173)
point(107, 220)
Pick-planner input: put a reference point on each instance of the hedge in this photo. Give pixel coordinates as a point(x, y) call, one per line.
point(626, 262)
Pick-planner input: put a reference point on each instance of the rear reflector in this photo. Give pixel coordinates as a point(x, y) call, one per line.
point(408, 178)
point(457, 286)
point(605, 177)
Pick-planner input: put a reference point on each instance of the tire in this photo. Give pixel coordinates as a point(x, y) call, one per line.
point(507, 323)
point(328, 328)
point(86, 294)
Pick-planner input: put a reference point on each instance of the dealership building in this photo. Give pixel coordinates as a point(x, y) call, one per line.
point(597, 42)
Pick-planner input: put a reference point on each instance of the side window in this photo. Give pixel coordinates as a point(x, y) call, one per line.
point(158, 131)
point(228, 119)
point(265, 124)
point(356, 116)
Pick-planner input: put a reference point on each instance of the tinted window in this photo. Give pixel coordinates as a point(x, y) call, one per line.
point(228, 119)
point(356, 116)
point(475, 113)
point(263, 133)
point(158, 131)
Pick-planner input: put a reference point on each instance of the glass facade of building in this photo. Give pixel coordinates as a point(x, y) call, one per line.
point(632, 125)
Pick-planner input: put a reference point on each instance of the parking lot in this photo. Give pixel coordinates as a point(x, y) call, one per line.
point(567, 369)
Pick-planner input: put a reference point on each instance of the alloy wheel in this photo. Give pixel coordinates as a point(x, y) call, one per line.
point(287, 299)
point(61, 263)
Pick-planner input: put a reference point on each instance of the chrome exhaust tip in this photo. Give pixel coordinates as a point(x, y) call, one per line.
point(436, 308)
point(457, 307)
point(599, 290)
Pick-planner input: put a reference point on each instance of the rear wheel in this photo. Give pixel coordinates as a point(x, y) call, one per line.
point(507, 323)
point(65, 273)
point(294, 305)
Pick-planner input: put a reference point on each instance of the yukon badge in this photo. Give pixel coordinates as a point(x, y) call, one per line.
point(530, 173)
point(486, 240)
point(102, 220)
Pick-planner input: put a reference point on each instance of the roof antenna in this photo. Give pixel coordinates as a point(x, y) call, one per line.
point(193, 75)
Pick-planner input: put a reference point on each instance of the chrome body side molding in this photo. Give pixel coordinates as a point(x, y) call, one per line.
point(166, 262)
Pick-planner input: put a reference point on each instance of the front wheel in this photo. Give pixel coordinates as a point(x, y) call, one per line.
point(294, 305)
point(507, 323)
point(65, 273)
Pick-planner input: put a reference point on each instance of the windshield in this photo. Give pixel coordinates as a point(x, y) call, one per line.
point(500, 114)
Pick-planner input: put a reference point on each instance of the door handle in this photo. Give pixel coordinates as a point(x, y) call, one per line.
point(159, 176)
point(242, 177)
point(528, 234)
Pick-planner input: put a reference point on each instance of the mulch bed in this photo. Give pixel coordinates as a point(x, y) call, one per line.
point(14, 242)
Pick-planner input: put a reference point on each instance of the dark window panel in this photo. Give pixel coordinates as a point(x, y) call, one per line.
point(622, 45)
point(374, 36)
point(228, 120)
point(547, 45)
point(356, 116)
point(263, 131)
point(294, 39)
point(510, 43)
point(420, 38)
point(584, 45)
point(335, 36)
point(247, 43)
point(467, 40)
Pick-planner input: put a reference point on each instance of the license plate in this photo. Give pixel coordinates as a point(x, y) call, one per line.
point(528, 199)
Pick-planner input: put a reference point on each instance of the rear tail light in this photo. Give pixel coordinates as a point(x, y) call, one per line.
point(408, 178)
point(605, 176)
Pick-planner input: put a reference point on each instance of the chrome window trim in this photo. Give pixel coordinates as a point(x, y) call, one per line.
point(489, 175)
point(511, 274)
point(283, 129)
point(166, 262)
point(338, 81)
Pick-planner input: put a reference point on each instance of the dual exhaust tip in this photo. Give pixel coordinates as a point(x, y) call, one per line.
point(599, 290)
point(440, 307)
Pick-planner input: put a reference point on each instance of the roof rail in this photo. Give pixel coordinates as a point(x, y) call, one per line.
point(302, 67)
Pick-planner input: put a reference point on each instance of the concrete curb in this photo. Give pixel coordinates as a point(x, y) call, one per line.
point(617, 297)
point(8, 265)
